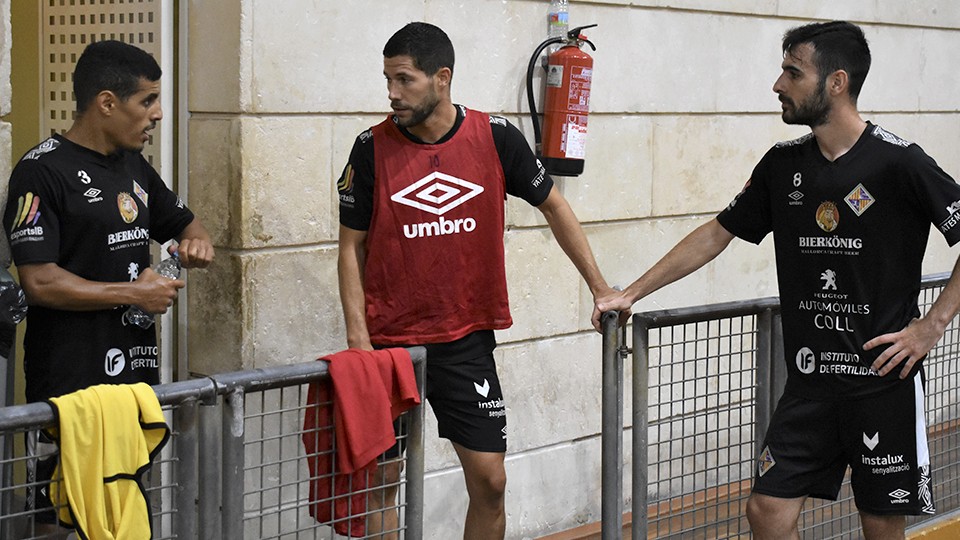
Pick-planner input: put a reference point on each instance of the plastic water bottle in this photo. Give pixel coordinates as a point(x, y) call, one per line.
point(558, 21)
point(168, 268)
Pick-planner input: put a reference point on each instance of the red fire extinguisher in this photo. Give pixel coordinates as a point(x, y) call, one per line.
point(567, 104)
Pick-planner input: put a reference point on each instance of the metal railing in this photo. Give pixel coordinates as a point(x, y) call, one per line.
point(706, 380)
point(234, 467)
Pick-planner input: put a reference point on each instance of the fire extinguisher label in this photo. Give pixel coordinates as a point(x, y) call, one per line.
point(554, 75)
point(579, 96)
point(576, 141)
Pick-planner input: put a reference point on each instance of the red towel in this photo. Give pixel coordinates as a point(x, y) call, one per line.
point(370, 390)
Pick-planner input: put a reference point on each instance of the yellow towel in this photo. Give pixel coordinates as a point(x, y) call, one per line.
point(108, 437)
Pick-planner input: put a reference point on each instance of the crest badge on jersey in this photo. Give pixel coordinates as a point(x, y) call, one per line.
point(766, 461)
point(141, 193)
point(859, 200)
point(828, 216)
point(128, 207)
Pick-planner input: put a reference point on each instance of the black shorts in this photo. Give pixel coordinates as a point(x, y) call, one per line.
point(466, 398)
point(882, 438)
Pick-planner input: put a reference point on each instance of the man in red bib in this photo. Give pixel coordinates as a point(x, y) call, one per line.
point(421, 254)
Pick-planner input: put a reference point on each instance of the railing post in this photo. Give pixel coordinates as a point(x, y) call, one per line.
point(764, 387)
point(641, 396)
point(413, 515)
point(185, 424)
point(611, 437)
point(7, 373)
point(208, 476)
point(771, 372)
point(233, 478)
point(779, 379)
point(7, 485)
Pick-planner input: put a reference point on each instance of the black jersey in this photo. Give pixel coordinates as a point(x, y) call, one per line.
point(849, 237)
point(525, 176)
point(94, 216)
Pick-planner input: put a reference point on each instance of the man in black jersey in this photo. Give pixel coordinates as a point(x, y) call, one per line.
point(82, 209)
point(850, 207)
point(421, 254)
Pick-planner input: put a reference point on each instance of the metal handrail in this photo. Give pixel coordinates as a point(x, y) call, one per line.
point(211, 480)
point(203, 389)
point(692, 314)
point(770, 377)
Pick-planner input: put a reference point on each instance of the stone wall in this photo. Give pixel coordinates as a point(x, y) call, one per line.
point(682, 108)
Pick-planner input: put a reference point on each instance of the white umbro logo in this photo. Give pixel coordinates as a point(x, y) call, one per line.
point(796, 195)
point(92, 195)
point(437, 193)
point(899, 495)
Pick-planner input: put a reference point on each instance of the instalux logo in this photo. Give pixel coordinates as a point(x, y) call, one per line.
point(437, 193)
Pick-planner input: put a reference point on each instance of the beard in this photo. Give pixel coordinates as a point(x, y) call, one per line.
point(421, 112)
point(812, 112)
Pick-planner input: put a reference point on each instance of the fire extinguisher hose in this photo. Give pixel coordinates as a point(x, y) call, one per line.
point(534, 116)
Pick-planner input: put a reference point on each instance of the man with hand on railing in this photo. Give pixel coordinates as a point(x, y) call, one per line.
point(850, 207)
point(421, 257)
point(82, 209)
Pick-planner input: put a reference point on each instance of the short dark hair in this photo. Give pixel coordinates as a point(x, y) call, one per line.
point(427, 45)
point(836, 45)
point(114, 66)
